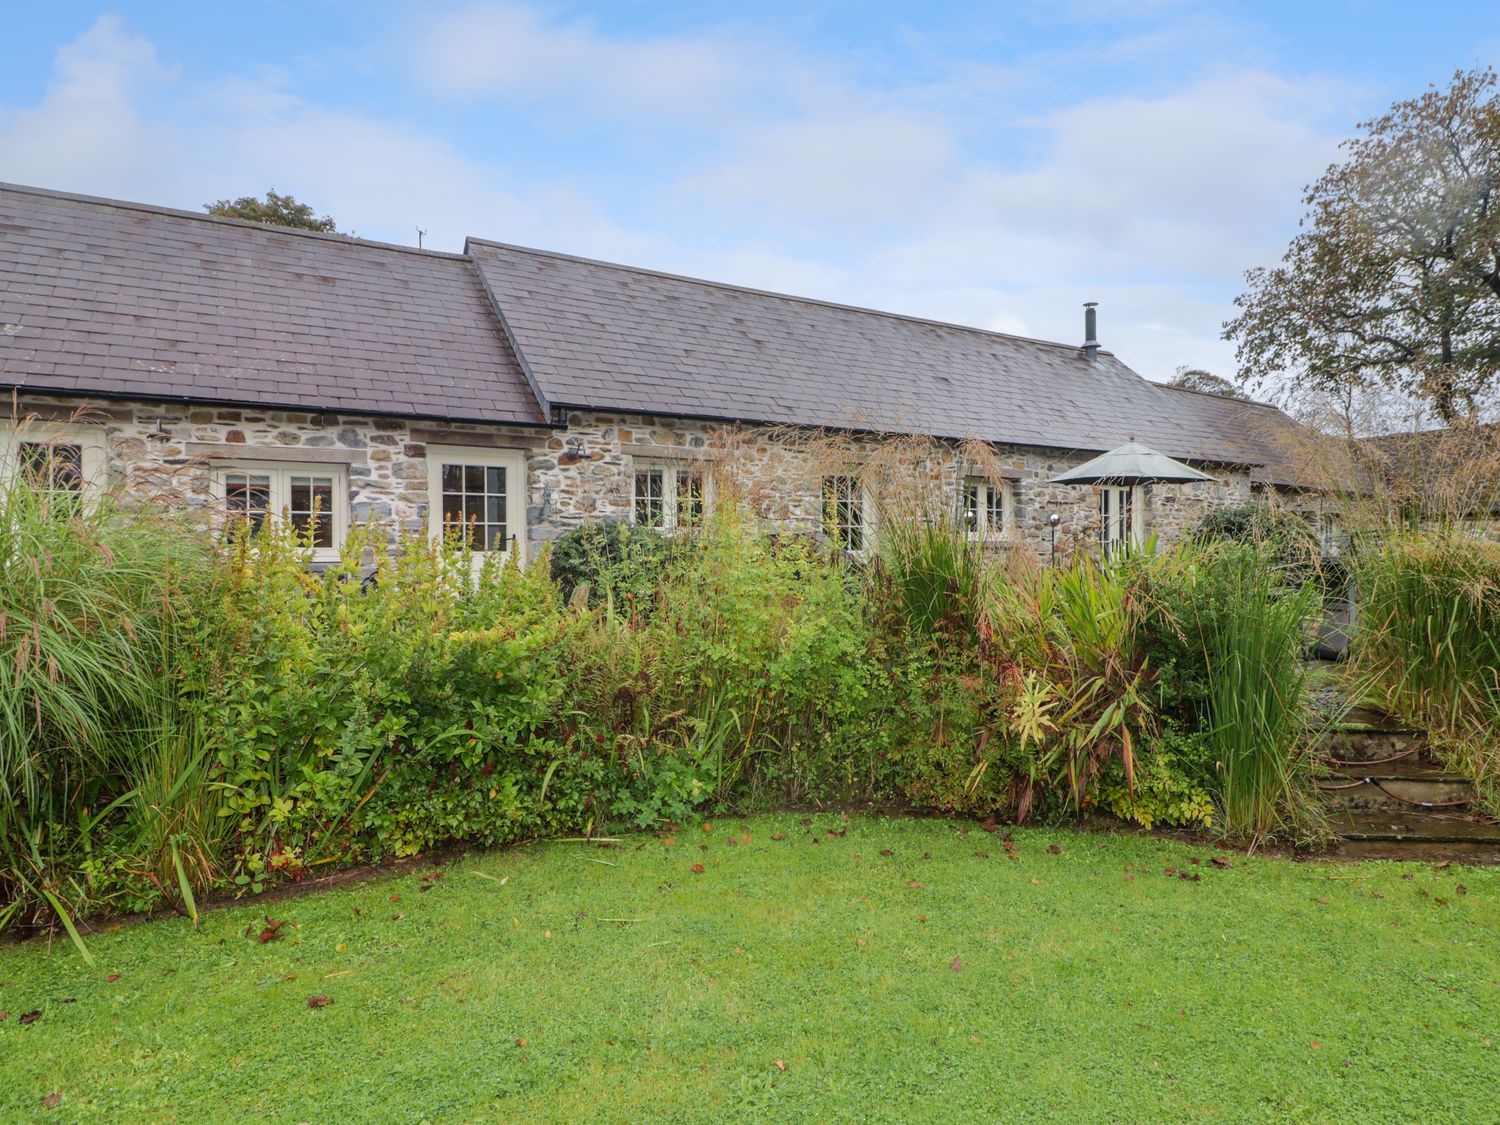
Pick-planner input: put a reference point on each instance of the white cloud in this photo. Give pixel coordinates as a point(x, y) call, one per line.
point(768, 168)
point(87, 119)
point(513, 50)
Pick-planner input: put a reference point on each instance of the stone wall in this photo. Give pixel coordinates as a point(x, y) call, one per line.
point(582, 472)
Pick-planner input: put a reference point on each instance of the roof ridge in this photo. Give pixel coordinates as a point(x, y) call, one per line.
point(800, 299)
point(1221, 398)
point(225, 220)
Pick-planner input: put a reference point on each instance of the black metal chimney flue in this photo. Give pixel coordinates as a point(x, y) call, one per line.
point(1090, 330)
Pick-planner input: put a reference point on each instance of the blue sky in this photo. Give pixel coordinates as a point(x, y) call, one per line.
point(989, 163)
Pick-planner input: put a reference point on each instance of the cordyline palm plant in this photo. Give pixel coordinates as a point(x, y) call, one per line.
point(88, 601)
point(1083, 700)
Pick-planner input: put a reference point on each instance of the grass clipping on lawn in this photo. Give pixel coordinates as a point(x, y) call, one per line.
point(800, 967)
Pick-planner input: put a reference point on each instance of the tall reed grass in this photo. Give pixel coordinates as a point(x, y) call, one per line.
point(1252, 633)
point(1429, 641)
point(90, 590)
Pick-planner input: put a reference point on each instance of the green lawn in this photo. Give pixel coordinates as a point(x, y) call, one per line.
point(904, 970)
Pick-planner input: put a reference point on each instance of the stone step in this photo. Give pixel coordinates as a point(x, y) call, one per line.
point(1367, 744)
point(1371, 793)
point(1417, 826)
point(1415, 767)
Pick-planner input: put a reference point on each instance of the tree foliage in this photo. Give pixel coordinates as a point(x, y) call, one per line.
point(274, 210)
point(1197, 379)
point(1394, 279)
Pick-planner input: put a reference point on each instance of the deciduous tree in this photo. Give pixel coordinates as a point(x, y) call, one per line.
point(274, 210)
point(1394, 279)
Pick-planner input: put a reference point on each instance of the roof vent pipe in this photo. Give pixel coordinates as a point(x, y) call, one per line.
point(1090, 331)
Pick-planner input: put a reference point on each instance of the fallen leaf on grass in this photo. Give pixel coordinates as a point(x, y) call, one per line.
point(861, 942)
point(1221, 861)
point(697, 869)
point(778, 835)
point(669, 843)
point(778, 1064)
point(1316, 1044)
point(1036, 882)
point(1131, 878)
point(1440, 866)
point(745, 839)
point(395, 898)
point(31, 1016)
point(52, 1100)
point(914, 885)
point(1054, 849)
point(319, 1001)
point(957, 966)
point(806, 820)
point(520, 1042)
point(1322, 900)
point(111, 978)
point(1461, 889)
point(4, 1016)
point(1190, 876)
point(272, 930)
point(1441, 901)
point(886, 851)
point(708, 826)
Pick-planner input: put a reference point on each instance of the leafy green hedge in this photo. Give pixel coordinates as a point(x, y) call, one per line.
point(278, 722)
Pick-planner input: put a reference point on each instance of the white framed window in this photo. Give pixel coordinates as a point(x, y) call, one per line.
point(57, 459)
point(1120, 521)
point(846, 516)
point(668, 496)
point(313, 498)
point(481, 493)
point(987, 508)
point(1330, 534)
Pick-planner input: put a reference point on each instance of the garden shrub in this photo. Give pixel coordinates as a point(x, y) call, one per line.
point(614, 560)
point(399, 701)
point(1290, 540)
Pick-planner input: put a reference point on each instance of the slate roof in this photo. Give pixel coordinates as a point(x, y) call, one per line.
point(101, 297)
point(595, 334)
point(125, 300)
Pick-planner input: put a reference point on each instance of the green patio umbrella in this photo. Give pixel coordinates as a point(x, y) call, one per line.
point(1131, 463)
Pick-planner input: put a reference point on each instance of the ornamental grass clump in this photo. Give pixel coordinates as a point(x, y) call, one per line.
point(1428, 642)
point(92, 593)
point(1242, 631)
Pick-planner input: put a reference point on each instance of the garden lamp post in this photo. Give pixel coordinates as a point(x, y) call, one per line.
point(1052, 521)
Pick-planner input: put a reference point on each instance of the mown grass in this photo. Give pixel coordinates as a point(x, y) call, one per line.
point(904, 970)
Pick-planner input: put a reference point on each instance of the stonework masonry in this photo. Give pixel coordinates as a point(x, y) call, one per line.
point(581, 472)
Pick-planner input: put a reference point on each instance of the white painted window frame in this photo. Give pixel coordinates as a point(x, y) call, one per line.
point(280, 474)
point(671, 474)
point(866, 505)
point(92, 446)
point(982, 531)
point(513, 461)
